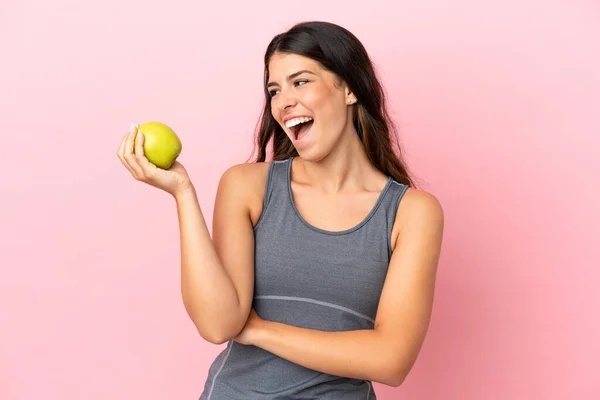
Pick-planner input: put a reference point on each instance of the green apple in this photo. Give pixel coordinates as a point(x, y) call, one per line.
point(161, 144)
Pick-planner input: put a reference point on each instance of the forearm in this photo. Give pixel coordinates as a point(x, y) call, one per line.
point(209, 295)
point(359, 354)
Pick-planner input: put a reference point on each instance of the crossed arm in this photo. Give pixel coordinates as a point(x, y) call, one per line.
point(386, 353)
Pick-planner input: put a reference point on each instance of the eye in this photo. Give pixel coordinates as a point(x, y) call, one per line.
point(299, 82)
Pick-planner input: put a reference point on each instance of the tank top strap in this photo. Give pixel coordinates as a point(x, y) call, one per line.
point(277, 181)
point(392, 198)
point(389, 207)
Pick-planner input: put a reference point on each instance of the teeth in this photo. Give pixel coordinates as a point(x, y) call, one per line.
point(296, 121)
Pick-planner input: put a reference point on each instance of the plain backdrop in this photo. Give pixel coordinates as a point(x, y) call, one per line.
point(498, 103)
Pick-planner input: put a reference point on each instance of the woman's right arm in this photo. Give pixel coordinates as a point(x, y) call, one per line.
point(217, 276)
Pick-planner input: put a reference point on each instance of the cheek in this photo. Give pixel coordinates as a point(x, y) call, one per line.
point(275, 112)
point(324, 103)
point(333, 111)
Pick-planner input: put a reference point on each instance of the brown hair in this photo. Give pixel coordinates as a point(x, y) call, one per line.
point(340, 52)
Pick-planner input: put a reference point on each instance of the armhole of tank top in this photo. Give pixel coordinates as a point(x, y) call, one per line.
point(396, 204)
point(267, 195)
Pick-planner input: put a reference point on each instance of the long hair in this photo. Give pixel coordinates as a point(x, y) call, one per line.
point(341, 53)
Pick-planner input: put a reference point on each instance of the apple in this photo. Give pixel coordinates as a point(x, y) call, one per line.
point(161, 144)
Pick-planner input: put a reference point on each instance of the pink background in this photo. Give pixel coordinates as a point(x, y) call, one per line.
point(499, 104)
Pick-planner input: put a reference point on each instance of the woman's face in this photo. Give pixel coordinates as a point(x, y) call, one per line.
point(310, 103)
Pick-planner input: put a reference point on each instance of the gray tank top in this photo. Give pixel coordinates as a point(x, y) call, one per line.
point(311, 278)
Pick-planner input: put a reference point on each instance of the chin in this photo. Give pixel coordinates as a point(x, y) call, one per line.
point(317, 147)
point(312, 154)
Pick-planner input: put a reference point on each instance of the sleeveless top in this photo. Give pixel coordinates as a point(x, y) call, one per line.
point(311, 278)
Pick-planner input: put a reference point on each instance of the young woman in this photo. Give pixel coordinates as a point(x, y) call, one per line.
point(321, 269)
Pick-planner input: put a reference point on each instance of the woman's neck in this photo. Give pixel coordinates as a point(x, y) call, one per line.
point(346, 168)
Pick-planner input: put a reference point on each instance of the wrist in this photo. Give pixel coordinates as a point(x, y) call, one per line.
point(262, 332)
point(185, 191)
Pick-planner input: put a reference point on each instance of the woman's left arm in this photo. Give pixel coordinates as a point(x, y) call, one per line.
point(386, 353)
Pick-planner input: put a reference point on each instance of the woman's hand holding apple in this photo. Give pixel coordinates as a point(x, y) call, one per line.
point(174, 180)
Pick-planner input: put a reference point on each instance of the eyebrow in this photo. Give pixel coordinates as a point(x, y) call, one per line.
point(292, 76)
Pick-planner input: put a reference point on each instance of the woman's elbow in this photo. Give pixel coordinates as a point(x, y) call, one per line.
point(219, 335)
point(394, 374)
point(393, 378)
point(214, 337)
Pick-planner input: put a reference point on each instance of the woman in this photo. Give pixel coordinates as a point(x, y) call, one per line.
point(321, 269)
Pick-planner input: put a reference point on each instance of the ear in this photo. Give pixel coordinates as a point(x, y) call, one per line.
point(350, 97)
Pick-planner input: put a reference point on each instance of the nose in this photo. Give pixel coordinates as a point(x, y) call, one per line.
point(286, 100)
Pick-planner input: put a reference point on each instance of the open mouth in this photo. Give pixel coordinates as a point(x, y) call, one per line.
point(300, 126)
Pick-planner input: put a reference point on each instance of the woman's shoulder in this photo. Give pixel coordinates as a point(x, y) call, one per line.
point(247, 182)
point(420, 208)
point(247, 175)
point(417, 201)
